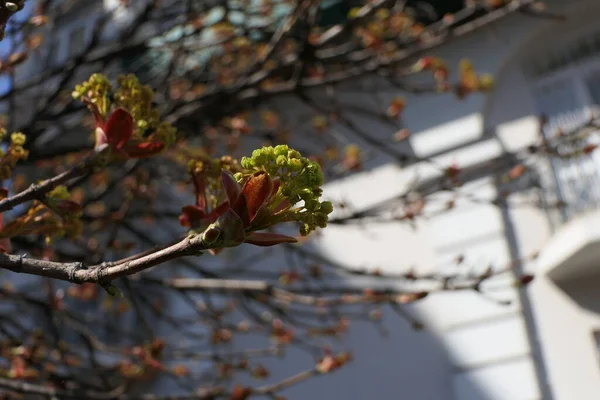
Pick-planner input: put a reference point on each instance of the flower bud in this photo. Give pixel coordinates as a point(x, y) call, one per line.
point(321, 220)
point(18, 139)
point(259, 157)
point(294, 154)
point(295, 164)
point(311, 204)
point(281, 150)
point(269, 153)
point(306, 195)
point(281, 161)
point(327, 207)
point(247, 163)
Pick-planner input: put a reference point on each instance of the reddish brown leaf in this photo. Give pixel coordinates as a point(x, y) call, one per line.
point(118, 128)
point(260, 372)
point(526, 279)
point(144, 149)
point(254, 194)
point(68, 207)
point(276, 185)
point(589, 148)
point(401, 135)
point(285, 204)
point(240, 393)
point(266, 239)
point(517, 171)
point(5, 245)
point(191, 215)
point(231, 186)
point(200, 187)
point(452, 172)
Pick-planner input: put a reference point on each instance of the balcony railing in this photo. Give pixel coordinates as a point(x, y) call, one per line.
point(575, 166)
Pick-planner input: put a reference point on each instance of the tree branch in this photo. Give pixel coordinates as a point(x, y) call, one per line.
point(104, 272)
point(36, 191)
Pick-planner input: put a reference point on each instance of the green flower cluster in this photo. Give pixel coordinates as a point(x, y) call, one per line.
point(60, 192)
point(13, 154)
point(133, 97)
point(301, 180)
point(65, 218)
point(137, 99)
point(98, 90)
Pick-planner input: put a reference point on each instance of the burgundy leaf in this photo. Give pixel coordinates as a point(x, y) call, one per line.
point(119, 128)
point(144, 149)
point(255, 193)
point(200, 187)
point(268, 239)
point(191, 215)
point(231, 186)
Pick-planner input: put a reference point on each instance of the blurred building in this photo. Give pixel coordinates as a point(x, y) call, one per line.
point(546, 343)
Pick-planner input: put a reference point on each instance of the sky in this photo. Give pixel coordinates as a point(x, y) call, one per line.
point(8, 42)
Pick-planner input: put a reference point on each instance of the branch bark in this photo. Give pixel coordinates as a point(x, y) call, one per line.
point(104, 272)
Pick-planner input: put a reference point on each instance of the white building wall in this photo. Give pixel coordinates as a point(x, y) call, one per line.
point(564, 325)
point(567, 339)
point(487, 343)
point(492, 348)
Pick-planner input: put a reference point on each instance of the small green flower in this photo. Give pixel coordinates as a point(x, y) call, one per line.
point(60, 192)
point(281, 161)
point(17, 139)
point(327, 207)
point(281, 150)
point(97, 89)
point(247, 163)
point(295, 164)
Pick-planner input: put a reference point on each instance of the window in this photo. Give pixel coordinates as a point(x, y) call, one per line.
point(568, 97)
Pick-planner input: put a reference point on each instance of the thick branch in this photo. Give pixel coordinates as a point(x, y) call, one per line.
point(105, 272)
